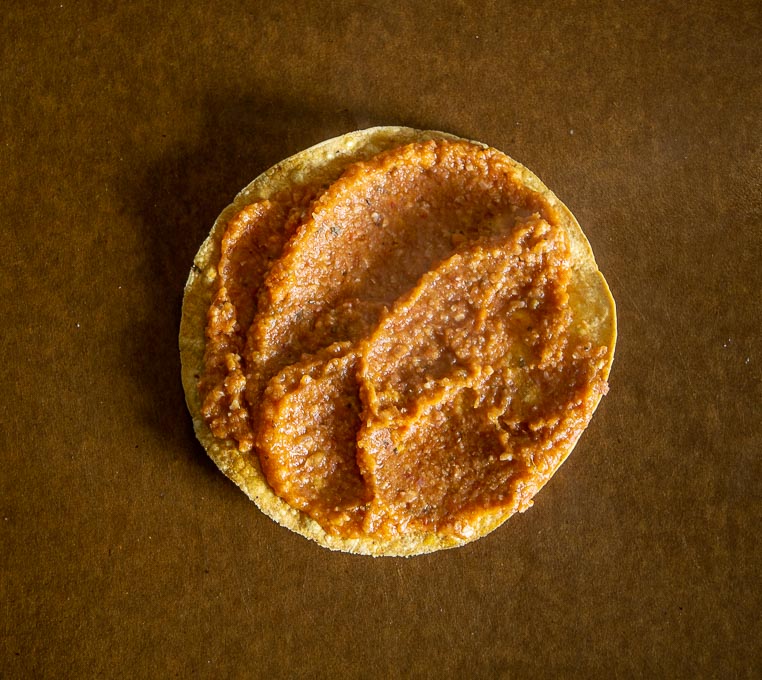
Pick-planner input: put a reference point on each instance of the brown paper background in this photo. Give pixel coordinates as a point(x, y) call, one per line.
point(126, 128)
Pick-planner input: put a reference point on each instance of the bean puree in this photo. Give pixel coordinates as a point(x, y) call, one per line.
point(397, 347)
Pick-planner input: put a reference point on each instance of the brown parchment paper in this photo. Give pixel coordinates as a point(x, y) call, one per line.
point(126, 128)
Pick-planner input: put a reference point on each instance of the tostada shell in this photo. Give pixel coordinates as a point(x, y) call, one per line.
point(592, 306)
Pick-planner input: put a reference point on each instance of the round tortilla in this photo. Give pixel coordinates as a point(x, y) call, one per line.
point(592, 306)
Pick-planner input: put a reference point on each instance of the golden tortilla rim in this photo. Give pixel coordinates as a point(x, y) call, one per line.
point(323, 162)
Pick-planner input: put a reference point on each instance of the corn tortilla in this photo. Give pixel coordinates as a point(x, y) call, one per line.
point(592, 305)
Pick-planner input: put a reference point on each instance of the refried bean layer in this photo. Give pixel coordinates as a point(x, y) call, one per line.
point(397, 347)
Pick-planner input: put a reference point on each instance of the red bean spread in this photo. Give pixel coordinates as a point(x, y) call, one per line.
point(397, 347)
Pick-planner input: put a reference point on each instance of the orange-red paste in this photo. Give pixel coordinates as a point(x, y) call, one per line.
point(396, 347)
